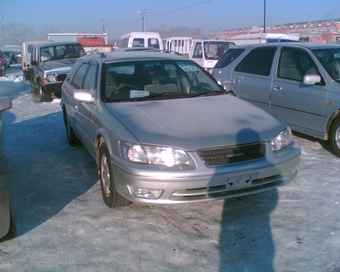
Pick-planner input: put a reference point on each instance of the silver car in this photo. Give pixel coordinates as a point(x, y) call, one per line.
point(163, 132)
point(297, 82)
point(6, 221)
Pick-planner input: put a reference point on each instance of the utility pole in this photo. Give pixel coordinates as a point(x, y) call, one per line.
point(310, 27)
point(264, 17)
point(143, 14)
point(103, 25)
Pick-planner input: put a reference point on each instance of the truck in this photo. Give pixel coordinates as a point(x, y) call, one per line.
point(181, 45)
point(206, 53)
point(49, 65)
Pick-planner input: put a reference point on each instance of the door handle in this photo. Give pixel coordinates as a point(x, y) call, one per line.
point(277, 88)
point(235, 80)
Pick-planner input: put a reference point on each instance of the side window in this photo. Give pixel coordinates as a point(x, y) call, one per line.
point(79, 76)
point(138, 42)
point(90, 79)
point(257, 62)
point(228, 57)
point(153, 42)
point(197, 51)
point(294, 64)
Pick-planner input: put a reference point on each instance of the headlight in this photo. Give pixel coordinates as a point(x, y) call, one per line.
point(283, 139)
point(160, 155)
point(51, 78)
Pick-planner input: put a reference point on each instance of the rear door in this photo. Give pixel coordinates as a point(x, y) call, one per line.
point(251, 79)
point(299, 105)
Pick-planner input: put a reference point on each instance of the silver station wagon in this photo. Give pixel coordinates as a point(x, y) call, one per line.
point(297, 82)
point(163, 132)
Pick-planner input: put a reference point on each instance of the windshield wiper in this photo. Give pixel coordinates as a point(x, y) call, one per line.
point(208, 93)
point(161, 95)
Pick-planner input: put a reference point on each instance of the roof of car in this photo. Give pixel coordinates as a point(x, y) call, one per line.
point(309, 45)
point(54, 44)
point(130, 55)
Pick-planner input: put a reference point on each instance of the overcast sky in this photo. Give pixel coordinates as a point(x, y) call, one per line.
point(119, 17)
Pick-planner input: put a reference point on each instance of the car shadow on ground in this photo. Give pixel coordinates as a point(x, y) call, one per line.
point(45, 173)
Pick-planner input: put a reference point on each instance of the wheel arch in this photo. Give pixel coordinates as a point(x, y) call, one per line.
point(333, 117)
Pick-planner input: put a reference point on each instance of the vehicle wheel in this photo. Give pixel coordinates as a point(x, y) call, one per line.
point(110, 195)
point(72, 138)
point(12, 229)
point(334, 136)
point(44, 97)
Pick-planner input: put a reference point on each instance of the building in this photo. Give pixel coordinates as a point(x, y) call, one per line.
point(314, 31)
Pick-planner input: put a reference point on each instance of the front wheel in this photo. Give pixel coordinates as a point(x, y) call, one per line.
point(111, 197)
point(44, 97)
point(334, 137)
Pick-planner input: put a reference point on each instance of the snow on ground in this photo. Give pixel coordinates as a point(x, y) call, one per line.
point(63, 224)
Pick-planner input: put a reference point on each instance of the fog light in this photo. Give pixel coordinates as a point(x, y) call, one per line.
point(145, 193)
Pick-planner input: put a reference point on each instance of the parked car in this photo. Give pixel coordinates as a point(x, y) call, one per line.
point(49, 66)
point(7, 227)
point(163, 132)
point(297, 82)
point(8, 59)
point(3, 62)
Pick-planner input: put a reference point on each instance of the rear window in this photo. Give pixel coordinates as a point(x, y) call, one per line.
point(257, 62)
point(228, 57)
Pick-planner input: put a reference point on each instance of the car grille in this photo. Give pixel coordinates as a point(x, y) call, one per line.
point(61, 77)
point(229, 190)
point(232, 154)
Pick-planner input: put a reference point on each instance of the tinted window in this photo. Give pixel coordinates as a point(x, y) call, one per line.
point(228, 57)
point(258, 62)
point(330, 59)
point(138, 42)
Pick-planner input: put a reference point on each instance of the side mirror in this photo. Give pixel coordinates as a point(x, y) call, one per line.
point(83, 95)
point(5, 103)
point(311, 79)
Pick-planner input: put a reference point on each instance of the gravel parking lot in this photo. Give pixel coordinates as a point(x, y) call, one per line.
point(64, 225)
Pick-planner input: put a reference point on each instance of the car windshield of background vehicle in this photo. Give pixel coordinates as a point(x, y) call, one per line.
point(134, 81)
point(330, 59)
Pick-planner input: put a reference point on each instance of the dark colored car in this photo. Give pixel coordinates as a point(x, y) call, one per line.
point(6, 221)
point(163, 132)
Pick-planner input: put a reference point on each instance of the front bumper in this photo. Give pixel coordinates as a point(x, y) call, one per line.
point(213, 183)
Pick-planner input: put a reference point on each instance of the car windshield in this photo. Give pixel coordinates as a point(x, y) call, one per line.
point(59, 52)
point(330, 59)
point(142, 80)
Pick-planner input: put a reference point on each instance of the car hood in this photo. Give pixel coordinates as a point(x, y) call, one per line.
point(64, 64)
point(199, 122)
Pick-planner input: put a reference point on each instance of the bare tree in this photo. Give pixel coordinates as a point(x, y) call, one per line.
point(16, 33)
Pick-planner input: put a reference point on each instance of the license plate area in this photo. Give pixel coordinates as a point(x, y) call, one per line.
point(240, 181)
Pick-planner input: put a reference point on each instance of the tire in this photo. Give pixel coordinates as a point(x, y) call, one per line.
point(334, 137)
point(12, 230)
point(44, 97)
point(110, 195)
point(72, 138)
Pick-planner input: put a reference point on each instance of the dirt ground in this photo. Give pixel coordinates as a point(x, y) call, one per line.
point(63, 224)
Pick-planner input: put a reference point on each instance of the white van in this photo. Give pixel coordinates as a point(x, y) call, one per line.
point(141, 39)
